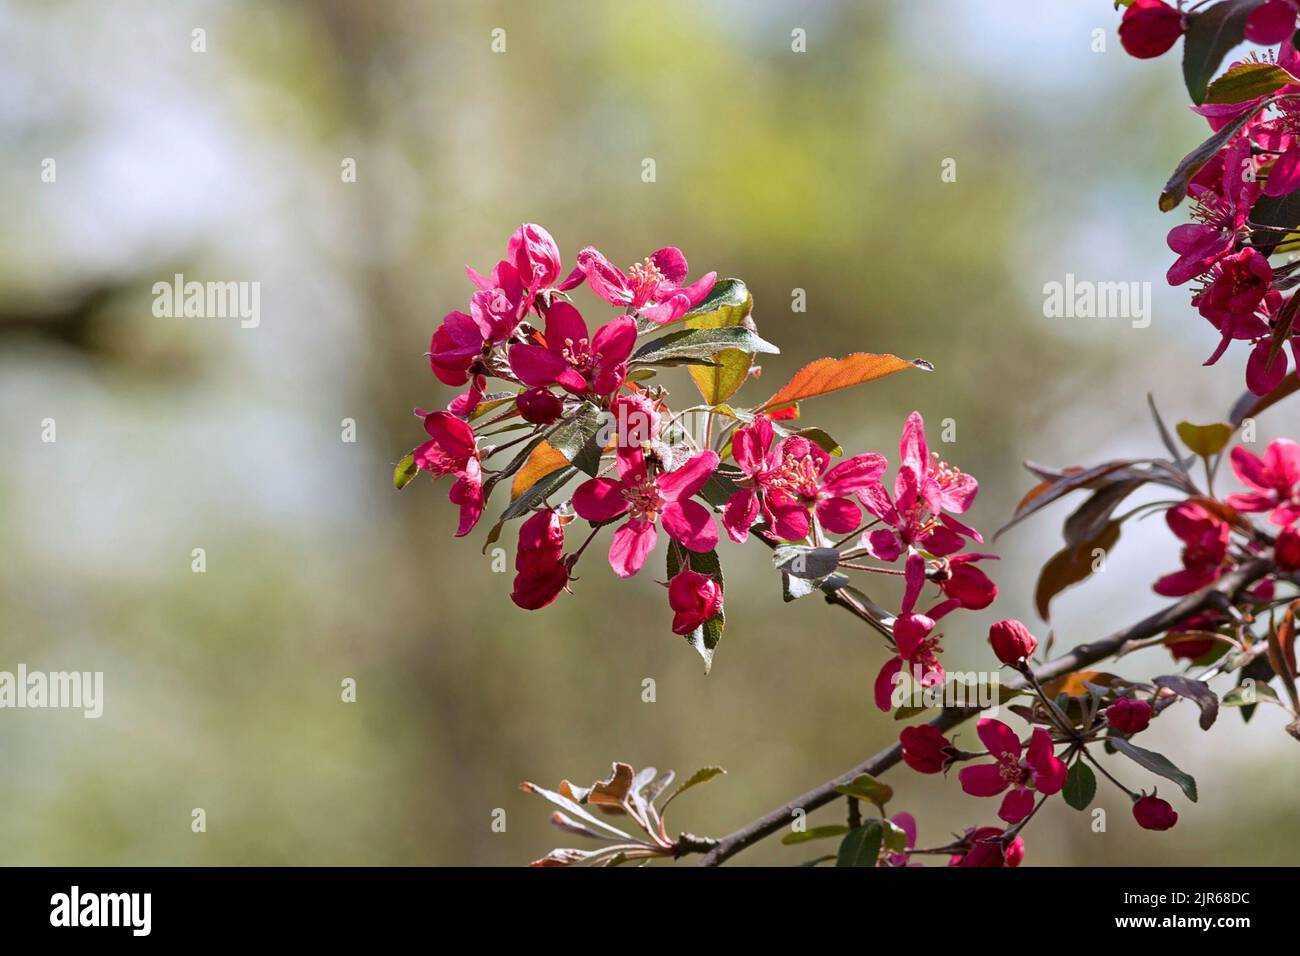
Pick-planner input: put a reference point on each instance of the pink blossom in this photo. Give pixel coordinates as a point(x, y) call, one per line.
point(1271, 22)
point(787, 483)
point(1011, 641)
point(1205, 549)
point(645, 499)
point(1275, 480)
point(694, 598)
point(1149, 28)
point(652, 288)
point(579, 363)
point(1152, 813)
point(1040, 769)
point(1129, 716)
point(452, 449)
point(916, 649)
point(925, 491)
point(926, 750)
point(539, 561)
point(986, 847)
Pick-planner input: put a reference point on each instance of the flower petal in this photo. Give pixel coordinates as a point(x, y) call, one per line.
point(689, 478)
point(691, 524)
point(599, 499)
point(632, 542)
point(982, 780)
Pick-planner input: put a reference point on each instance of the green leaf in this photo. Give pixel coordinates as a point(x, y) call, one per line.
point(1157, 764)
point(1176, 188)
point(1205, 440)
point(405, 472)
point(1240, 696)
point(801, 561)
point(575, 438)
point(706, 637)
point(1248, 81)
point(866, 787)
point(1080, 786)
point(1208, 37)
point(816, 833)
point(822, 440)
point(727, 306)
point(1280, 213)
point(699, 344)
point(703, 775)
point(861, 846)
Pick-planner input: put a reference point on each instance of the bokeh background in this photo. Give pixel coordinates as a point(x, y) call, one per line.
point(818, 171)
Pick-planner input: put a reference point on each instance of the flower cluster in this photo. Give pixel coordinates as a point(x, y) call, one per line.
point(589, 413)
point(1238, 181)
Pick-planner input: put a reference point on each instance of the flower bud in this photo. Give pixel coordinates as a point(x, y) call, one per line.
point(1149, 28)
point(539, 561)
point(1287, 550)
point(535, 256)
point(1152, 813)
point(1129, 716)
point(1011, 641)
point(926, 749)
point(539, 406)
point(694, 598)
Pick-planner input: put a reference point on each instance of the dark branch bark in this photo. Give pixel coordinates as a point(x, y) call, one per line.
point(1217, 596)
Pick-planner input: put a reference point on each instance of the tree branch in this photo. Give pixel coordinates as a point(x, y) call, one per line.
point(1217, 596)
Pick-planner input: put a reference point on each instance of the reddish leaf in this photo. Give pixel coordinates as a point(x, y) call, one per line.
point(1070, 566)
point(831, 374)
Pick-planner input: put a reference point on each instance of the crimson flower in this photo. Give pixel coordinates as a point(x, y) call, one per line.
point(645, 498)
point(916, 649)
point(539, 561)
point(460, 345)
point(651, 288)
point(539, 406)
point(1129, 716)
point(1011, 641)
point(1275, 479)
point(985, 848)
point(1286, 551)
point(1205, 549)
point(1272, 22)
point(452, 449)
point(532, 264)
point(924, 490)
point(926, 750)
point(694, 598)
point(1149, 28)
point(577, 362)
point(786, 483)
point(1040, 769)
point(1152, 813)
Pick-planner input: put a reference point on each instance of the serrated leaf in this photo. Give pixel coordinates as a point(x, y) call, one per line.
point(405, 472)
point(1156, 763)
point(1248, 81)
point(832, 374)
point(1175, 190)
point(728, 305)
point(699, 344)
point(1080, 786)
point(801, 561)
point(703, 775)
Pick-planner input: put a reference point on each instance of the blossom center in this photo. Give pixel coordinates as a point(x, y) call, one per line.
point(799, 477)
point(644, 278)
point(579, 354)
point(642, 496)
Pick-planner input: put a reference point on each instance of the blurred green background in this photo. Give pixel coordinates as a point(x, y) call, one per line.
point(817, 171)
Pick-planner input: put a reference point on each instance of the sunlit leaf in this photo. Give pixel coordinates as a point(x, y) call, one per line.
point(831, 374)
point(405, 472)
